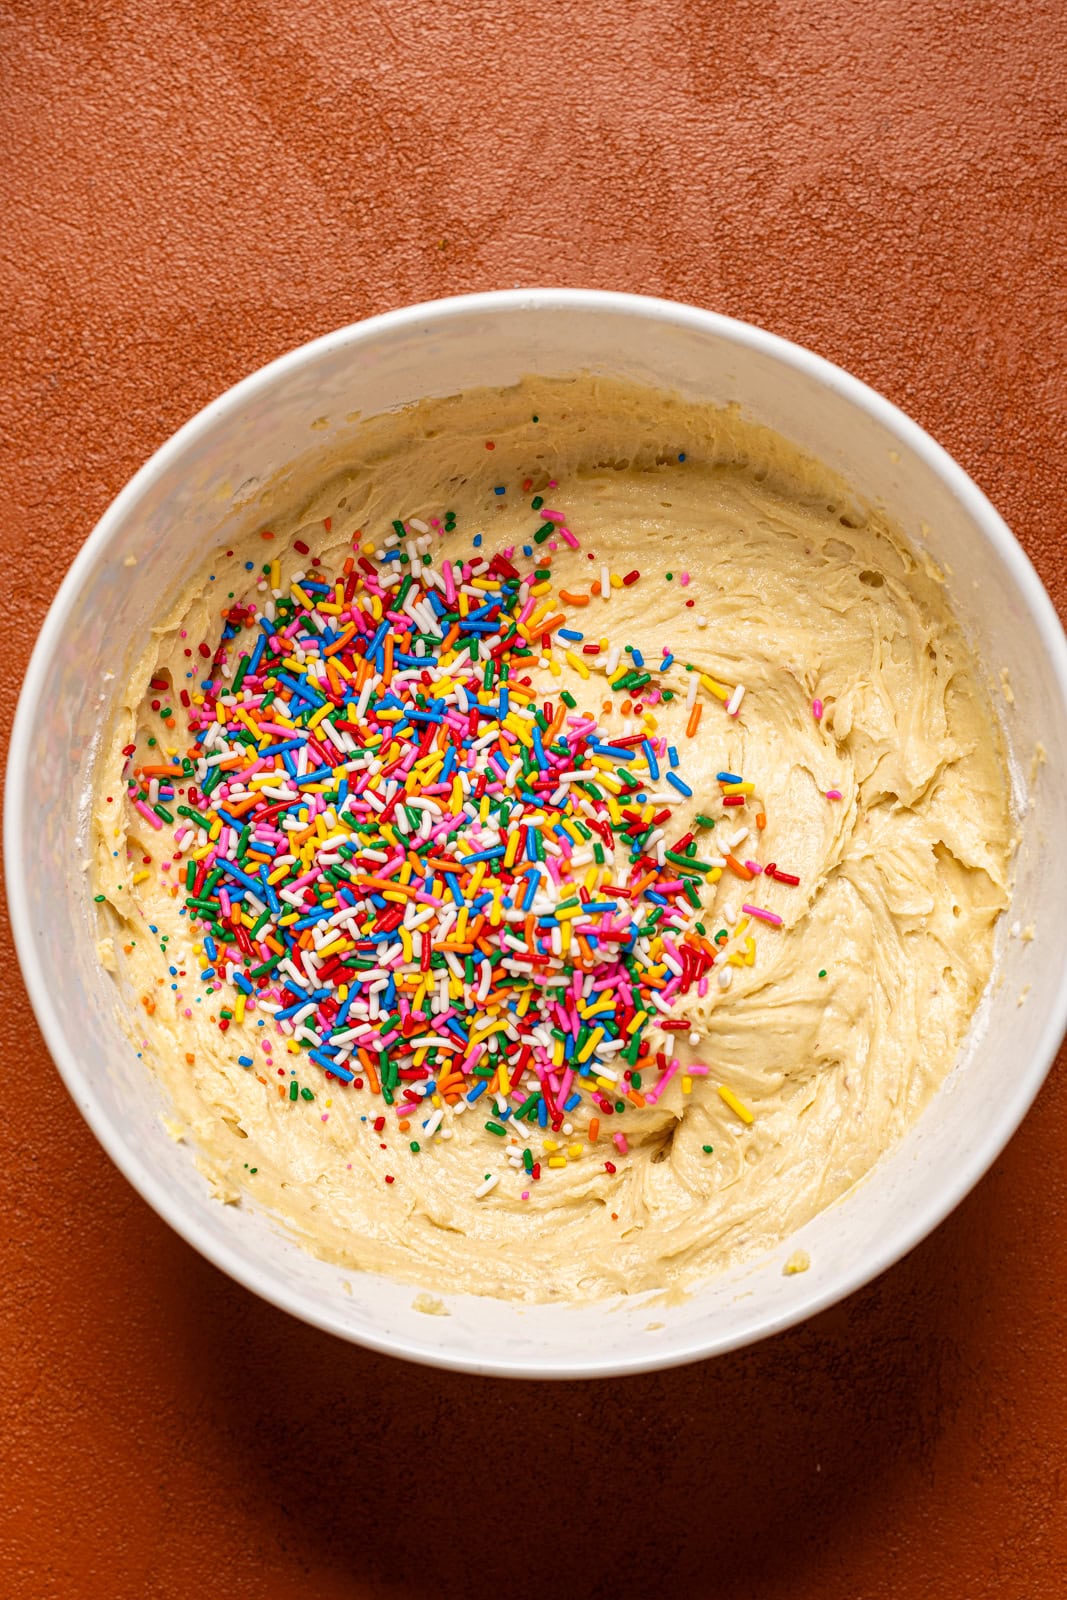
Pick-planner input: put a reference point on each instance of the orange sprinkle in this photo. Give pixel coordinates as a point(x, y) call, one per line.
point(571, 599)
point(739, 868)
point(694, 719)
point(387, 669)
point(339, 644)
point(189, 1058)
point(403, 1125)
point(551, 624)
point(595, 586)
point(636, 1096)
point(594, 1129)
point(761, 819)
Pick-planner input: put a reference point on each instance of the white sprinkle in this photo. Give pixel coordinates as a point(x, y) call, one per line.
point(726, 977)
point(485, 1188)
point(734, 704)
point(418, 525)
point(605, 584)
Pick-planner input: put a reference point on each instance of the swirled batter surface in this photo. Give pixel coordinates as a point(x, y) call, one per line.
point(890, 808)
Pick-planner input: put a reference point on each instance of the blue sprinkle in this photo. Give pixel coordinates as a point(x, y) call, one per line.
point(208, 973)
point(245, 1061)
point(681, 455)
point(569, 1105)
point(650, 757)
point(476, 1093)
point(682, 788)
point(672, 755)
point(727, 777)
point(527, 549)
point(569, 633)
point(498, 491)
point(477, 540)
point(639, 659)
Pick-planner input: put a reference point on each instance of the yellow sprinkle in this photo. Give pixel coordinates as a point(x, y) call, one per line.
point(557, 1161)
point(687, 1084)
point(304, 598)
point(737, 1106)
point(575, 1150)
point(714, 688)
point(550, 1144)
point(590, 1044)
point(292, 1047)
point(739, 788)
point(139, 877)
point(577, 663)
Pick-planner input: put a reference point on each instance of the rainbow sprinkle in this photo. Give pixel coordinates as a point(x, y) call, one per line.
point(439, 885)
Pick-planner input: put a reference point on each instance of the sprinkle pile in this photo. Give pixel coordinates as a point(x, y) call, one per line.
point(441, 886)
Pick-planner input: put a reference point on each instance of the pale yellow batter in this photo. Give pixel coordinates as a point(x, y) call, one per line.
point(798, 595)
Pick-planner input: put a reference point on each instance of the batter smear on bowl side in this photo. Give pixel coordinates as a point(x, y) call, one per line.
point(559, 856)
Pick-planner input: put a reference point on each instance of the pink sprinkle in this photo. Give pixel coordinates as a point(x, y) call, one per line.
point(565, 533)
point(684, 580)
point(525, 1195)
point(764, 916)
point(619, 1141)
point(754, 867)
point(816, 710)
point(833, 794)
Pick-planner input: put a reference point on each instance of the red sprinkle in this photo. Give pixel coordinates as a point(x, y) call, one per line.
point(609, 1166)
point(630, 578)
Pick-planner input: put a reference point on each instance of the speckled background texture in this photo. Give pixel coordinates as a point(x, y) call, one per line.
point(189, 189)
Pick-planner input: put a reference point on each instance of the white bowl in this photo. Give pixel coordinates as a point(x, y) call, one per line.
point(178, 506)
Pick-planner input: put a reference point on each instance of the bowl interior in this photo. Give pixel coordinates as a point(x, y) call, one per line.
point(198, 489)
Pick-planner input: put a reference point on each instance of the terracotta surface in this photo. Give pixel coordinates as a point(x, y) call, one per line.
point(190, 189)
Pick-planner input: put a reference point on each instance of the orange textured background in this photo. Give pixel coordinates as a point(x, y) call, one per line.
point(188, 190)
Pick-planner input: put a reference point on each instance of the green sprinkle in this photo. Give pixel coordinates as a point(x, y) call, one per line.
point(414, 1147)
point(494, 1127)
point(704, 822)
point(568, 699)
point(98, 898)
point(306, 1094)
point(822, 974)
point(294, 1090)
point(707, 1149)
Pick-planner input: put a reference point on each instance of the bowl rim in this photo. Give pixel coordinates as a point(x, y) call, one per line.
point(899, 1238)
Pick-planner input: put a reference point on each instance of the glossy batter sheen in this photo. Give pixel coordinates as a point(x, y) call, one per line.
point(797, 594)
